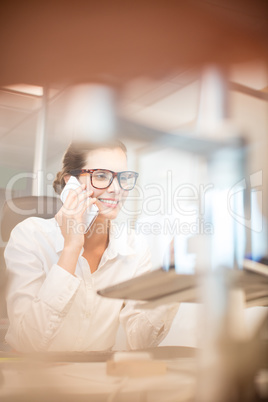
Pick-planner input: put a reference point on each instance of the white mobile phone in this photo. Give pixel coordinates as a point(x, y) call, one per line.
point(90, 215)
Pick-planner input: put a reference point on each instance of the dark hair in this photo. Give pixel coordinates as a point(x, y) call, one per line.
point(76, 155)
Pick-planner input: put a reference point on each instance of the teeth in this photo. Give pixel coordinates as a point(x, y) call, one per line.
point(108, 201)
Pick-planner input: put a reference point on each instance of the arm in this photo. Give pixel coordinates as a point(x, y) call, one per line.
point(70, 220)
point(41, 289)
point(146, 328)
point(38, 297)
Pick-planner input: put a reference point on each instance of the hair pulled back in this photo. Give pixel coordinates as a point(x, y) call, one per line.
point(76, 155)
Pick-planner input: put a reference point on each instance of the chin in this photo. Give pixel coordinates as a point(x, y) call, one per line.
point(108, 214)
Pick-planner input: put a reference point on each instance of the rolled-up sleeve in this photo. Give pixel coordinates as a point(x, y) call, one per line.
point(37, 301)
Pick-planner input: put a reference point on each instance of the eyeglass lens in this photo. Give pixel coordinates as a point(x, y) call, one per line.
point(103, 178)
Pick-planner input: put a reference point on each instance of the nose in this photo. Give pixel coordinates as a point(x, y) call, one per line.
point(114, 187)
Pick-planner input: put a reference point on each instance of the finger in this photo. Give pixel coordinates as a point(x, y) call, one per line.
point(88, 204)
point(80, 203)
point(73, 194)
point(84, 195)
point(75, 198)
point(80, 197)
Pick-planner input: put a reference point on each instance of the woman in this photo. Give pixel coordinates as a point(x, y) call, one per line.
point(55, 269)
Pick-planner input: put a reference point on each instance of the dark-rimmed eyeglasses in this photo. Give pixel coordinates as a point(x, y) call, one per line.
point(103, 178)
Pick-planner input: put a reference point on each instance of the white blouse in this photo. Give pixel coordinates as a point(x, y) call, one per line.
point(51, 310)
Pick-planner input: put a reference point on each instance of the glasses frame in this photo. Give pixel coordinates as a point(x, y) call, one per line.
point(80, 172)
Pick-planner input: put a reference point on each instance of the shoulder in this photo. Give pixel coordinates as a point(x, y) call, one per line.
point(34, 236)
point(33, 226)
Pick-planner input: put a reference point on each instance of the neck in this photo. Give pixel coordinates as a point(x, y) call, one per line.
point(98, 234)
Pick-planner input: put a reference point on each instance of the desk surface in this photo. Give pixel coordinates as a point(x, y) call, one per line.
point(28, 379)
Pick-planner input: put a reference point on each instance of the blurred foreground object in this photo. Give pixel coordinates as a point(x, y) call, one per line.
point(229, 361)
point(90, 114)
point(45, 42)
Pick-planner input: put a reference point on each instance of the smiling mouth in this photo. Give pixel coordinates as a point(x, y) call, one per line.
point(111, 203)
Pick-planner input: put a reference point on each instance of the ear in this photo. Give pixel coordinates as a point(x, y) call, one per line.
point(66, 178)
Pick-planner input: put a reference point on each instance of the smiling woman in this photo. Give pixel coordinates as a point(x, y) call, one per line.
point(95, 166)
point(55, 268)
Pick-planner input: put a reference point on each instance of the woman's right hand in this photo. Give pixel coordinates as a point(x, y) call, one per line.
point(70, 217)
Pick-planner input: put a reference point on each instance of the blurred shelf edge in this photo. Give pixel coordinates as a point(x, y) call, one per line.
point(160, 286)
point(160, 352)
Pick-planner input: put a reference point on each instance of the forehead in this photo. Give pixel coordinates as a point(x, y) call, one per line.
point(106, 158)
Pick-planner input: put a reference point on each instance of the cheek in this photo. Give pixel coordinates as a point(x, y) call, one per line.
point(85, 180)
point(96, 192)
point(124, 196)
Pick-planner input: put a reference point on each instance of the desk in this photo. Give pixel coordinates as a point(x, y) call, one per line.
point(35, 379)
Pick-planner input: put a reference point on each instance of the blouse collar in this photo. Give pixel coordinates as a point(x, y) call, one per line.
point(119, 240)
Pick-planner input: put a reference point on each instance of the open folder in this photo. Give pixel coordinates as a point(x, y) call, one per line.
point(160, 284)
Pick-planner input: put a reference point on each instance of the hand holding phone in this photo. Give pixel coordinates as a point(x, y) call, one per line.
point(89, 216)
